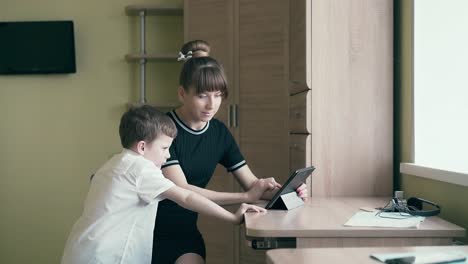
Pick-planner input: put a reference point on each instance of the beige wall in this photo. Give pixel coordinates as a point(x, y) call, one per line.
point(57, 129)
point(450, 196)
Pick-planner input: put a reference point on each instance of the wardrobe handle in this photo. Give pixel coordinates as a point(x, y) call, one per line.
point(234, 115)
point(229, 121)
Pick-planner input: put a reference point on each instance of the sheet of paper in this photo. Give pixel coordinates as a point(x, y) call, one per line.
point(423, 257)
point(372, 219)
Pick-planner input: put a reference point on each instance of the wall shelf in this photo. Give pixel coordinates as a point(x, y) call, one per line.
point(154, 10)
point(135, 57)
point(142, 57)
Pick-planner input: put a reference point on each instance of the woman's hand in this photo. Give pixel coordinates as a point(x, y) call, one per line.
point(239, 215)
point(259, 187)
point(302, 192)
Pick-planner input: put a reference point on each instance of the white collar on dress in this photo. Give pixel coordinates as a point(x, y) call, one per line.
point(186, 128)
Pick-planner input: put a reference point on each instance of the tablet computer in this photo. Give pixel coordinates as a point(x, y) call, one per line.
point(295, 180)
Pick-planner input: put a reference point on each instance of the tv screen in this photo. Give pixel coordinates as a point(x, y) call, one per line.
point(33, 47)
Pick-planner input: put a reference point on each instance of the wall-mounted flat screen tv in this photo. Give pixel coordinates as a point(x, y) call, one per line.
point(36, 47)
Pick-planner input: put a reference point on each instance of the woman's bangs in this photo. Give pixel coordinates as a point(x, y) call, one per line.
point(210, 79)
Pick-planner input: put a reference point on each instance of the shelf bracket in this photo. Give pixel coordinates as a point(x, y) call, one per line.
point(142, 61)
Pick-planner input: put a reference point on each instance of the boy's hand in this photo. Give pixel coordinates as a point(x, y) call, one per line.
point(259, 187)
point(239, 215)
point(302, 192)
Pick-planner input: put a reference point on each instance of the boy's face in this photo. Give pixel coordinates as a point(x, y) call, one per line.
point(157, 151)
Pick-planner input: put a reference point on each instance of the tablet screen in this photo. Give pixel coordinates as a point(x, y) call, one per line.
point(295, 180)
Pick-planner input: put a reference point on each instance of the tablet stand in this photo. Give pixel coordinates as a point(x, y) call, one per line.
point(288, 201)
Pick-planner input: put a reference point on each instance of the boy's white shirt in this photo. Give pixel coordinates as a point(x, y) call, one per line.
point(119, 213)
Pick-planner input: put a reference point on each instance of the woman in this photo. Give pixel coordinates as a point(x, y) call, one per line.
point(201, 144)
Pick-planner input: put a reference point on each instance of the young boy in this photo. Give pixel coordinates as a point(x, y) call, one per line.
point(118, 217)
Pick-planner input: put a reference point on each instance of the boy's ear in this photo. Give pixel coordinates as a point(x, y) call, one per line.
point(181, 94)
point(140, 147)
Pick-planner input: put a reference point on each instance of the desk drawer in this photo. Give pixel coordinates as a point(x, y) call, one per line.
point(332, 242)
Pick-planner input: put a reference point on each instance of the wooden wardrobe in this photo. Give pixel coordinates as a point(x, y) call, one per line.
point(310, 83)
point(252, 46)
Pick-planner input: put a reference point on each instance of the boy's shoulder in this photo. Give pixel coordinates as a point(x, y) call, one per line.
point(129, 160)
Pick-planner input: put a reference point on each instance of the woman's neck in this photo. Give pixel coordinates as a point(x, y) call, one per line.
point(189, 120)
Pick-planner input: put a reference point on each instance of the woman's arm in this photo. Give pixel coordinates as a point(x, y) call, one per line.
point(247, 180)
point(195, 202)
point(176, 175)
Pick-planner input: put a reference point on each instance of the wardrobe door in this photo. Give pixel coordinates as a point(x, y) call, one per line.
point(300, 121)
point(263, 95)
point(299, 151)
point(299, 84)
point(212, 21)
point(299, 46)
point(250, 39)
point(300, 125)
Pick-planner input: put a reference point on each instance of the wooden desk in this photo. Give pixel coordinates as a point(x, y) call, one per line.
point(319, 223)
point(345, 255)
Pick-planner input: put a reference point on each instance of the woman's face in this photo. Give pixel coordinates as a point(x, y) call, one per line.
point(200, 107)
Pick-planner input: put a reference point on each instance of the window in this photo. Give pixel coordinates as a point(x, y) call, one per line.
point(440, 76)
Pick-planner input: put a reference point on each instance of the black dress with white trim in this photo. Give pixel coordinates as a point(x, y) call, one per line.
point(197, 152)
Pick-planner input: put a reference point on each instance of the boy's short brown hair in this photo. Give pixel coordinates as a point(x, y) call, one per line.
point(145, 123)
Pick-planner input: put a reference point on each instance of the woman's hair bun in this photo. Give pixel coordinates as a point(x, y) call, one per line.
point(194, 49)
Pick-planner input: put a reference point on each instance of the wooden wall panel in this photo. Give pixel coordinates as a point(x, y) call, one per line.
point(352, 97)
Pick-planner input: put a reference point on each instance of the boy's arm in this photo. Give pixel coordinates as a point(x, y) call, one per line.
point(176, 175)
point(197, 203)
